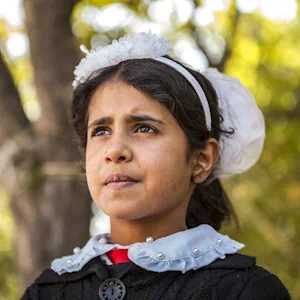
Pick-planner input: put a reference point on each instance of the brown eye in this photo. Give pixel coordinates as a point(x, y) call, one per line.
point(147, 127)
point(97, 130)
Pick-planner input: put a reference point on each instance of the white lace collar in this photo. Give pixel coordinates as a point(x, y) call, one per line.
point(183, 251)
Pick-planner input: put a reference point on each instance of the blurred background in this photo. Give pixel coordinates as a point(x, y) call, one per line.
point(45, 207)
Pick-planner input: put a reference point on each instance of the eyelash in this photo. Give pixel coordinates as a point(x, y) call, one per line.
point(97, 129)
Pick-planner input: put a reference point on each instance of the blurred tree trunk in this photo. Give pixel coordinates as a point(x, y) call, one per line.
point(39, 163)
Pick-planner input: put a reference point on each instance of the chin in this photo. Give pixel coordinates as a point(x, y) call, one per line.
point(124, 213)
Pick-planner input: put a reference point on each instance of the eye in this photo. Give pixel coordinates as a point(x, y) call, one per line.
point(98, 129)
point(146, 126)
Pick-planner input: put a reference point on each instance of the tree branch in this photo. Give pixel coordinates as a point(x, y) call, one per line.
point(16, 134)
point(53, 57)
point(227, 53)
point(13, 118)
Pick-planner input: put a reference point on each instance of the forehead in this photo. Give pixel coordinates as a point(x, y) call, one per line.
point(117, 97)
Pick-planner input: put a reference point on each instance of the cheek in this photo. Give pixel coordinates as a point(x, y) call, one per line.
point(166, 171)
point(92, 170)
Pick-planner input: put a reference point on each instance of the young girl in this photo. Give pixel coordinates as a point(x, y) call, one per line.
point(156, 137)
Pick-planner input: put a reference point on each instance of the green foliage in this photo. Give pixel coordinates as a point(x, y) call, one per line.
point(264, 58)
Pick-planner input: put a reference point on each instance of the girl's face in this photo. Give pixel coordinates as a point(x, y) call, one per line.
point(152, 152)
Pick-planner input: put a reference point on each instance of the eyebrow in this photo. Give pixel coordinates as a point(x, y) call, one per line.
point(130, 118)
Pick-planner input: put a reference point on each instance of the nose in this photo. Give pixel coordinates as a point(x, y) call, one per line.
point(118, 150)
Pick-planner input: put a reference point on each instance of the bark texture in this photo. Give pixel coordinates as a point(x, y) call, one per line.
point(38, 161)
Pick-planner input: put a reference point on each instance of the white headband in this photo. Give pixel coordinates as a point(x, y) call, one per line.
point(195, 84)
point(239, 151)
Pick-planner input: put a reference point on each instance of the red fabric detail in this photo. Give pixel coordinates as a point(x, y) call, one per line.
point(118, 256)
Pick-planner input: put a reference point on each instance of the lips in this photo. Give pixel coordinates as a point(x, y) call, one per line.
point(119, 178)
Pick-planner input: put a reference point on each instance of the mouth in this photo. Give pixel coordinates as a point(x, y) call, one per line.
point(117, 177)
point(121, 184)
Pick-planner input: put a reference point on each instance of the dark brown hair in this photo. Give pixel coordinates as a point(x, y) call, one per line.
point(209, 203)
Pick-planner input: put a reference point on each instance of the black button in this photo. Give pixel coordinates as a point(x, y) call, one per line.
point(112, 289)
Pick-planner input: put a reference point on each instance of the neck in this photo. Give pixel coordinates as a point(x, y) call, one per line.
point(124, 232)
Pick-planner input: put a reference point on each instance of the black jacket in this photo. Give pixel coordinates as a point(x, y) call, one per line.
point(235, 277)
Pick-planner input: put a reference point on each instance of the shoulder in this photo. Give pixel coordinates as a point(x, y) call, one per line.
point(49, 284)
point(239, 277)
point(31, 293)
point(233, 261)
point(264, 285)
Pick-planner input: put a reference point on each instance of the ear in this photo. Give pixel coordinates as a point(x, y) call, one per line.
point(205, 160)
